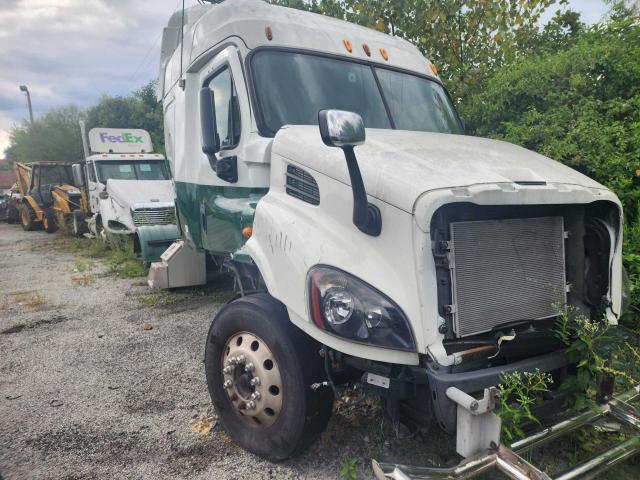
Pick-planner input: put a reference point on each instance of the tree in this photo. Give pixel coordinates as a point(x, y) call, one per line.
point(578, 103)
point(139, 110)
point(55, 137)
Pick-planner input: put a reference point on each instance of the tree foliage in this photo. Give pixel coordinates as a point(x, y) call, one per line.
point(577, 100)
point(54, 136)
point(138, 110)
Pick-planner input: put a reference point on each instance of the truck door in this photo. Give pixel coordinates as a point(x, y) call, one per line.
point(224, 186)
point(93, 185)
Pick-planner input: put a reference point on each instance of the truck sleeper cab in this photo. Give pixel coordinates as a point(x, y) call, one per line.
point(408, 255)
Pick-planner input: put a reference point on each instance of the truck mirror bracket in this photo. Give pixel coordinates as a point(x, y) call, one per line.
point(366, 216)
point(345, 130)
point(227, 169)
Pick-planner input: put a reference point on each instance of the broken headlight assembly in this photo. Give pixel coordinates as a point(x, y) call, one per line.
point(347, 307)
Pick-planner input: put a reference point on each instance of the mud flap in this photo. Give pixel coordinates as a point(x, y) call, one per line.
point(149, 242)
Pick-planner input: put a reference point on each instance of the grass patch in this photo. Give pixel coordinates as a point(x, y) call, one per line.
point(81, 266)
point(220, 290)
point(29, 299)
point(159, 298)
point(116, 251)
point(83, 280)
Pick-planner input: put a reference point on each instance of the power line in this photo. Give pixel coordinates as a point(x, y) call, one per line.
point(153, 46)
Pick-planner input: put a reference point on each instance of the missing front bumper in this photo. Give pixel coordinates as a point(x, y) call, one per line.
point(509, 462)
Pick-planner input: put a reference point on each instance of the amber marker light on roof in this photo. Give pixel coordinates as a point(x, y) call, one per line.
point(366, 49)
point(268, 33)
point(434, 69)
point(384, 53)
point(347, 45)
point(247, 232)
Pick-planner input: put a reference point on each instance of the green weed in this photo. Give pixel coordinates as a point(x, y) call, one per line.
point(348, 470)
point(519, 393)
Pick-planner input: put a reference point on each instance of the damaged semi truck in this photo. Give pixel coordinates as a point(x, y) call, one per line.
point(403, 254)
point(129, 190)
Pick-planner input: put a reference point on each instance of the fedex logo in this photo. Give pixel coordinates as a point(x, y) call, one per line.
point(124, 138)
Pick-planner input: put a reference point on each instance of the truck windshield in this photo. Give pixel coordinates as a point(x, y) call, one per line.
point(128, 170)
point(292, 87)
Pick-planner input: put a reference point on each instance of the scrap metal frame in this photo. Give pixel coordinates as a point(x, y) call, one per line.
point(509, 461)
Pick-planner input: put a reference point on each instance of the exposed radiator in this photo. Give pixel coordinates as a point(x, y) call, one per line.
point(506, 271)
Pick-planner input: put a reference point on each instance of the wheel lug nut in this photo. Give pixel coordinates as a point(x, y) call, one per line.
point(255, 381)
point(256, 395)
point(227, 384)
point(251, 405)
point(241, 359)
point(226, 369)
point(249, 367)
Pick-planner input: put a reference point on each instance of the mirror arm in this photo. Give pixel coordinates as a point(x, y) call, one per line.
point(366, 216)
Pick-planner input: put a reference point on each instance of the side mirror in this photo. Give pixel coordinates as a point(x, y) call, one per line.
point(345, 130)
point(339, 128)
point(77, 171)
point(210, 144)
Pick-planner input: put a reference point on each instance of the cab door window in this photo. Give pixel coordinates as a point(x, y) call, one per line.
point(227, 109)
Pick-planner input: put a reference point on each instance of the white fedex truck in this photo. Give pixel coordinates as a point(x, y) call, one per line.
point(128, 186)
point(326, 166)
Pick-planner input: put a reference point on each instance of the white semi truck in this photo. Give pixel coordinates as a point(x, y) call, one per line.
point(129, 189)
point(420, 261)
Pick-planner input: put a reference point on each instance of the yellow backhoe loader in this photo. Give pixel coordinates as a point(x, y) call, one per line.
point(50, 199)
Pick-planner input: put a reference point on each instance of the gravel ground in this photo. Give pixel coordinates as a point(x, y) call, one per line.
point(87, 390)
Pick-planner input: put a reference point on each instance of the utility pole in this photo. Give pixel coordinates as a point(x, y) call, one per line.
point(23, 88)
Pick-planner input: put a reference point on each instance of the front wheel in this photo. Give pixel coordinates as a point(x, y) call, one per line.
point(78, 225)
point(49, 222)
point(27, 217)
point(260, 370)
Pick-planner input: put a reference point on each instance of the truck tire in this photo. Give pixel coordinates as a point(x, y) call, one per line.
point(49, 222)
point(28, 217)
point(280, 414)
point(78, 225)
point(13, 215)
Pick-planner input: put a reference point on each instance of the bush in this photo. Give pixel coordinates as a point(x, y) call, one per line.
point(579, 105)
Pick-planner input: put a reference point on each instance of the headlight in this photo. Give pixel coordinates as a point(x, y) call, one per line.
point(345, 306)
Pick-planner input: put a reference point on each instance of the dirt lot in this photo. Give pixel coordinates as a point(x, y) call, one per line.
point(101, 378)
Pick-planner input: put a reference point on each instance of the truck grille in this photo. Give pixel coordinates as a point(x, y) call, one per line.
point(154, 216)
point(506, 271)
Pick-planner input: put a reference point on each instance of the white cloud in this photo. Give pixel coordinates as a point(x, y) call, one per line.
point(591, 11)
point(6, 123)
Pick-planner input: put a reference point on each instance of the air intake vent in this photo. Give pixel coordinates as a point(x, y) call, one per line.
point(302, 185)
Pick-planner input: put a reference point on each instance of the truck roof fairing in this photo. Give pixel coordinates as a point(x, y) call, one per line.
point(206, 26)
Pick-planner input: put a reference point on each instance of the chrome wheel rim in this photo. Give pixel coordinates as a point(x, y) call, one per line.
point(251, 379)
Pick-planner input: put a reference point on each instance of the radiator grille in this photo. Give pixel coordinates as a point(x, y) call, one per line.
point(154, 216)
point(506, 271)
point(302, 185)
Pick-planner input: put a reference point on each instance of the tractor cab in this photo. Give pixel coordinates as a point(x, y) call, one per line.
point(44, 177)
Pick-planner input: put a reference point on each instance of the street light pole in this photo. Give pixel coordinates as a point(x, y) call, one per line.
point(23, 88)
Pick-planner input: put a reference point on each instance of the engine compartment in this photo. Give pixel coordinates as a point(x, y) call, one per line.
point(590, 232)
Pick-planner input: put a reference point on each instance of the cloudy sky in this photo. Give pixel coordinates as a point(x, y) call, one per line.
point(74, 51)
